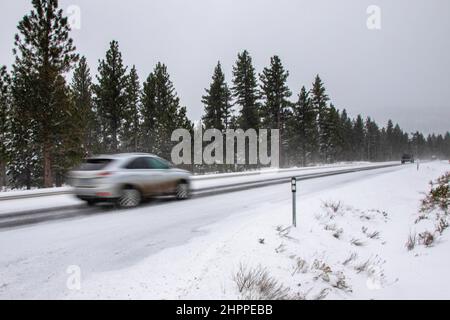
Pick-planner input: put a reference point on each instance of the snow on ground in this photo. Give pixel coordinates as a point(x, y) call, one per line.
point(349, 244)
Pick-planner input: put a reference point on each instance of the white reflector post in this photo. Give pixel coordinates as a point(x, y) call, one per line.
point(294, 201)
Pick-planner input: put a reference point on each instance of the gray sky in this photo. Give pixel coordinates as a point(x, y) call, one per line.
point(401, 71)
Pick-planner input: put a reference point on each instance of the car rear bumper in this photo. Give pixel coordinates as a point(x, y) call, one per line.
point(97, 193)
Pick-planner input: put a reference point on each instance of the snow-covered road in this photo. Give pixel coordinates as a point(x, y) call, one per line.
point(34, 260)
point(20, 201)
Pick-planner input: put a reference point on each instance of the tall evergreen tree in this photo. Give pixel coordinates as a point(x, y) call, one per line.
point(5, 105)
point(24, 152)
point(320, 102)
point(372, 142)
point(245, 91)
point(132, 113)
point(161, 112)
point(331, 134)
point(390, 142)
point(359, 138)
point(446, 148)
point(68, 151)
point(302, 130)
point(85, 111)
point(111, 97)
point(217, 102)
point(347, 136)
point(44, 53)
point(275, 94)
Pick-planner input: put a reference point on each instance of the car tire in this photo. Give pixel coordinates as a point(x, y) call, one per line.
point(183, 191)
point(130, 198)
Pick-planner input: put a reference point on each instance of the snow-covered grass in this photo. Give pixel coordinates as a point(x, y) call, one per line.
point(349, 244)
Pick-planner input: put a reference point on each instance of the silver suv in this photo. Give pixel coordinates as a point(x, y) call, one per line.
point(126, 179)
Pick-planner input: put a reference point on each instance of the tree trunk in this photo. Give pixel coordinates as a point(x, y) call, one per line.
point(48, 179)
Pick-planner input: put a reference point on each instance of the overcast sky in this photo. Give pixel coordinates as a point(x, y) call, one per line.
point(401, 71)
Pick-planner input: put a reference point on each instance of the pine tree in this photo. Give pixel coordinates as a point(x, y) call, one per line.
point(23, 151)
point(320, 102)
point(400, 145)
point(68, 151)
point(446, 147)
point(418, 145)
point(359, 138)
point(275, 94)
point(245, 91)
point(217, 102)
point(390, 141)
point(132, 113)
point(302, 130)
point(5, 105)
point(111, 97)
point(372, 142)
point(347, 136)
point(87, 116)
point(331, 134)
point(161, 112)
point(44, 54)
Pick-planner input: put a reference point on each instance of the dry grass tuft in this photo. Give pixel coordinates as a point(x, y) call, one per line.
point(257, 284)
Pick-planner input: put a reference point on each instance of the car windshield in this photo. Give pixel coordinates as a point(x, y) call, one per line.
point(94, 164)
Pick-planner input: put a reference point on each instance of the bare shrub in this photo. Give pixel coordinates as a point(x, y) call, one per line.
point(362, 267)
point(411, 242)
point(420, 218)
point(340, 283)
point(373, 235)
point(283, 232)
point(301, 266)
point(426, 238)
point(257, 284)
point(322, 294)
point(353, 256)
point(324, 270)
point(334, 207)
point(357, 242)
point(441, 225)
point(439, 195)
point(281, 248)
point(338, 233)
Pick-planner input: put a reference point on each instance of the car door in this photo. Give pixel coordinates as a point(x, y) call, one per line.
point(138, 173)
point(166, 182)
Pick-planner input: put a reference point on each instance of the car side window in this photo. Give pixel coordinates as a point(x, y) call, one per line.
point(157, 164)
point(138, 164)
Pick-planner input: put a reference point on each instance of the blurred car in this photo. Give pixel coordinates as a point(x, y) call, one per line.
point(407, 158)
point(127, 179)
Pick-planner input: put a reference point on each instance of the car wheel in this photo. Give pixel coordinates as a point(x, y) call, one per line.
point(183, 191)
point(130, 198)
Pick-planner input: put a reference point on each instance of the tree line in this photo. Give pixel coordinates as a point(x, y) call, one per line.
point(49, 124)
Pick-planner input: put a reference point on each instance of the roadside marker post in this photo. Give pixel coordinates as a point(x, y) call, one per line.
point(294, 201)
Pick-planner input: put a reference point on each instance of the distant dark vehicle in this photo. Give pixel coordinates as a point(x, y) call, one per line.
point(407, 158)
